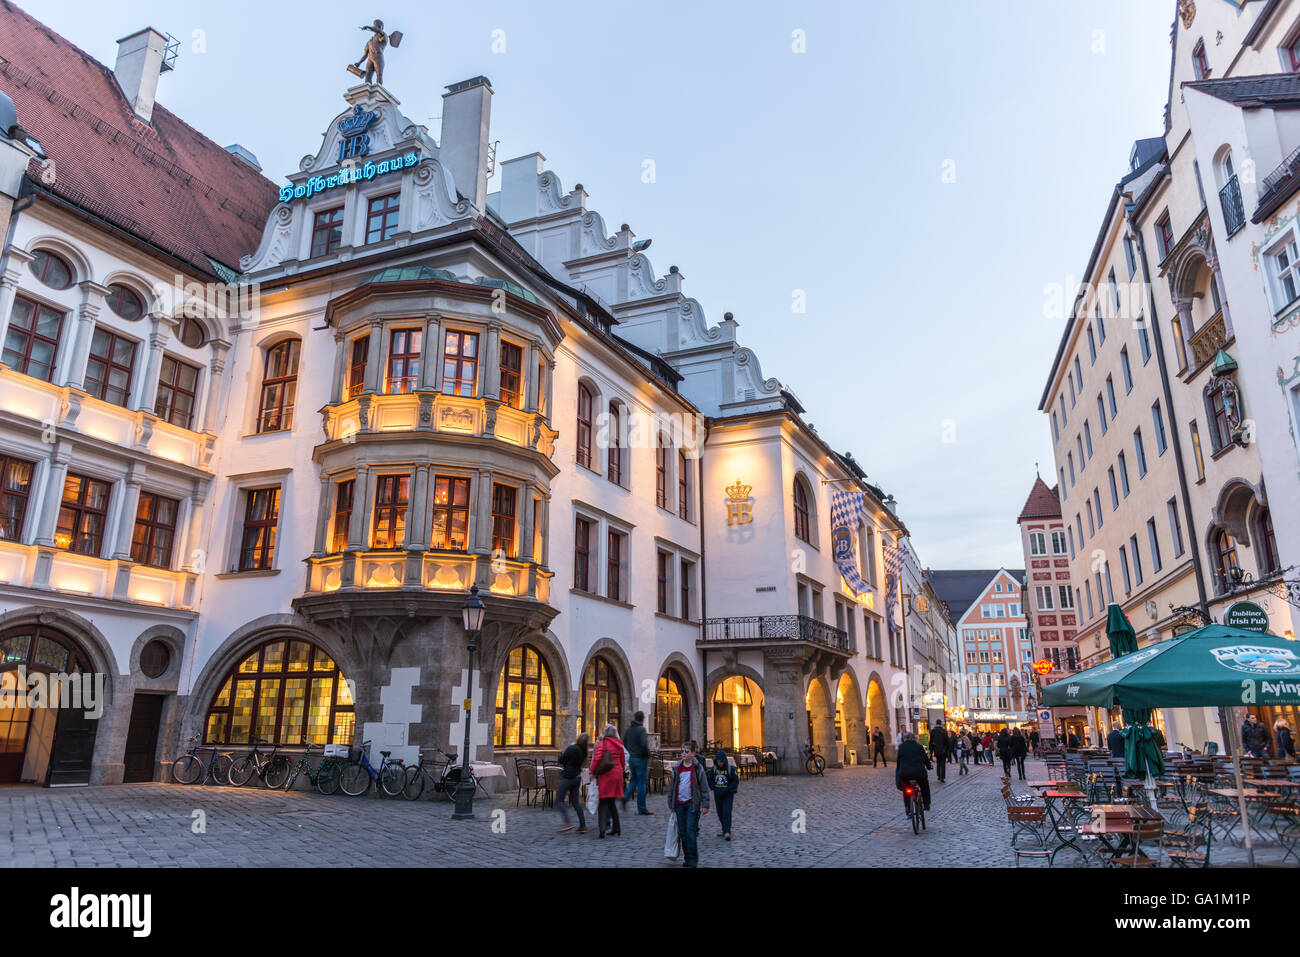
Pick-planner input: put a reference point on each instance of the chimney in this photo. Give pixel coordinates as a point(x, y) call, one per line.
point(463, 147)
point(139, 64)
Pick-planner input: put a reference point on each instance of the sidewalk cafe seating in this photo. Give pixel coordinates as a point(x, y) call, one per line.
point(1181, 844)
point(1149, 831)
point(551, 774)
point(1030, 820)
point(528, 784)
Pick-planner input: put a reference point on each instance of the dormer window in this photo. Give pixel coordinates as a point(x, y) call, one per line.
point(1200, 64)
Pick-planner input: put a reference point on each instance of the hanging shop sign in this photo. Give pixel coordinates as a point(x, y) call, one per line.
point(1246, 614)
point(346, 176)
point(1043, 666)
point(932, 700)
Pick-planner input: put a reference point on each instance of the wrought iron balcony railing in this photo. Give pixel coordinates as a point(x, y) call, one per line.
point(777, 628)
point(1230, 199)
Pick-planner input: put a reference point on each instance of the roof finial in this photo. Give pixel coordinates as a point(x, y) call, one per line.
point(1036, 472)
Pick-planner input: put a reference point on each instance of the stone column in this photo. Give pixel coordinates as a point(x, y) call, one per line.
point(480, 517)
point(490, 361)
point(58, 476)
point(130, 501)
point(216, 370)
point(530, 378)
point(1183, 340)
point(374, 359)
point(545, 520)
point(360, 505)
point(431, 360)
point(1216, 277)
point(146, 390)
point(342, 357)
point(417, 527)
point(17, 261)
point(324, 510)
point(70, 363)
point(197, 560)
point(524, 544)
point(547, 406)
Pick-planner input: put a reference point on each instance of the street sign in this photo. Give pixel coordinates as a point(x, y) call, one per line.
point(1246, 614)
point(932, 699)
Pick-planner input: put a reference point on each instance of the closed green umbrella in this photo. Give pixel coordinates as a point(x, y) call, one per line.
point(1140, 749)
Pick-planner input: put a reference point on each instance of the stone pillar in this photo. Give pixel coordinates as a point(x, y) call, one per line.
point(58, 476)
point(342, 358)
point(530, 378)
point(1183, 334)
point(784, 723)
point(546, 532)
point(1216, 277)
point(547, 402)
point(216, 368)
point(491, 362)
point(70, 363)
point(360, 505)
point(130, 500)
point(324, 510)
point(480, 518)
point(197, 559)
point(417, 536)
point(431, 366)
point(17, 260)
point(374, 359)
point(524, 543)
point(146, 390)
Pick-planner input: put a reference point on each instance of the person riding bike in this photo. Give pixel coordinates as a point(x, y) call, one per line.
point(912, 765)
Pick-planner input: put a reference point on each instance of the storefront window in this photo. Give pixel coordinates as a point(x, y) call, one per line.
point(525, 712)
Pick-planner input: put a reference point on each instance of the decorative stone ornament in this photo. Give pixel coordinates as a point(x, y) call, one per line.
point(1187, 10)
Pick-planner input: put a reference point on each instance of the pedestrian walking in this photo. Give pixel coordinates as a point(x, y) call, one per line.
point(607, 767)
point(1254, 736)
point(939, 747)
point(1019, 750)
point(923, 737)
point(1285, 742)
point(637, 745)
point(688, 798)
point(963, 752)
point(723, 781)
point(986, 743)
point(1115, 741)
point(878, 748)
point(1004, 752)
point(573, 760)
point(1034, 741)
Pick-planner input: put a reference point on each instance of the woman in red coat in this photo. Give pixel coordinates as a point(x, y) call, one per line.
point(609, 784)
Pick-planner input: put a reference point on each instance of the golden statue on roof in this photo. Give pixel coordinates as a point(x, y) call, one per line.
point(373, 55)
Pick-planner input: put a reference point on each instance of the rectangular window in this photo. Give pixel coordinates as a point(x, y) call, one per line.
point(1284, 269)
point(460, 363)
point(683, 487)
point(1137, 558)
point(279, 387)
point(1197, 454)
point(503, 519)
point(1114, 489)
point(1130, 256)
point(1067, 600)
point(1154, 542)
point(15, 489)
point(177, 386)
point(1061, 399)
point(404, 348)
point(1092, 528)
point(155, 530)
point(327, 231)
point(1200, 63)
point(1087, 593)
point(1158, 421)
point(261, 516)
point(392, 497)
point(1083, 462)
point(33, 339)
point(512, 374)
point(343, 492)
point(1044, 596)
point(1087, 438)
point(1126, 369)
point(1058, 543)
point(1123, 473)
point(1144, 341)
point(1092, 346)
point(614, 566)
point(687, 575)
point(1101, 326)
point(1175, 527)
point(108, 369)
point(1141, 452)
point(1056, 427)
point(357, 366)
point(1101, 414)
point(381, 218)
point(450, 514)
point(1071, 542)
point(1164, 235)
point(662, 575)
point(1220, 433)
point(82, 515)
point(661, 474)
point(582, 554)
point(1078, 373)
point(1037, 543)
point(1110, 397)
point(1123, 568)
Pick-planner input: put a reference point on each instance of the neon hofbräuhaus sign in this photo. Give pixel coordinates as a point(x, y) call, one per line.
point(346, 176)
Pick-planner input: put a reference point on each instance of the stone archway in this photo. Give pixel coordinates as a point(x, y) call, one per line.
point(820, 706)
point(616, 661)
point(850, 704)
point(738, 704)
point(878, 711)
point(688, 688)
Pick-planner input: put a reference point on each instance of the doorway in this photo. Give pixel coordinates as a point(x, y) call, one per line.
point(142, 739)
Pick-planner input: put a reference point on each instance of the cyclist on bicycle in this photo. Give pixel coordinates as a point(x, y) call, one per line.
point(912, 765)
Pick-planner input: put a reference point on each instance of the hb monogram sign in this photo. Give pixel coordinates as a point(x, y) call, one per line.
point(740, 508)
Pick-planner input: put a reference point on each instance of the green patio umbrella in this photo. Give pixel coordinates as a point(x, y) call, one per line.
point(1141, 753)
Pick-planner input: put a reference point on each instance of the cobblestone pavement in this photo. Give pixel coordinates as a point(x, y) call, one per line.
point(851, 818)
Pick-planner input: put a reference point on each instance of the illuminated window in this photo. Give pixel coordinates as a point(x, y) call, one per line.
point(671, 720)
point(357, 366)
point(15, 488)
point(177, 386)
point(342, 514)
point(33, 339)
point(82, 515)
point(288, 693)
point(404, 347)
point(261, 516)
point(503, 519)
point(392, 496)
point(512, 376)
point(279, 386)
point(450, 514)
point(155, 530)
point(582, 554)
point(525, 712)
point(108, 368)
point(600, 700)
point(460, 363)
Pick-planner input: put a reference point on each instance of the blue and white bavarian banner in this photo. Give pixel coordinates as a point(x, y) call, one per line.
point(893, 569)
point(846, 513)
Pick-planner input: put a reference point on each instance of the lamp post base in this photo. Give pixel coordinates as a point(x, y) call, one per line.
point(464, 805)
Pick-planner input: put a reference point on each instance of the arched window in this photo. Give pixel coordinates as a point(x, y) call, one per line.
point(288, 692)
point(525, 715)
point(1268, 560)
point(52, 270)
point(615, 469)
point(671, 719)
point(124, 302)
point(279, 385)
point(802, 525)
point(191, 333)
point(33, 649)
point(1225, 557)
point(584, 426)
point(599, 698)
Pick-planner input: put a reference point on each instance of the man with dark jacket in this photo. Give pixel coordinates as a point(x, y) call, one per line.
point(911, 765)
point(724, 779)
point(637, 746)
point(939, 747)
point(1115, 741)
point(878, 748)
point(1254, 736)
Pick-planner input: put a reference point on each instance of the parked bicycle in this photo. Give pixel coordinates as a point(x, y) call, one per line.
point(272, 768)
point(325, 777)
point(190, 768)
point(443, 774)
point(814, 763)
point(389, 777)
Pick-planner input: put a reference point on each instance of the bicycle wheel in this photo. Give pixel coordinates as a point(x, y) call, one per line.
point(292, 780)
point(355, 781)
point(327, 778)
point(241, 770)
point(414, 785)
point(392, 778)
point(278, 772)
point(186, 769)
point(220, 768)
point(816, 764)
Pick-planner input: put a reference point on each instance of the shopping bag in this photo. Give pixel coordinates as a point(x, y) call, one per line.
point(593, 797)
point(671, 845)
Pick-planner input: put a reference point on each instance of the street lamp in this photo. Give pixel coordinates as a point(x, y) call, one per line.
point(472, 613)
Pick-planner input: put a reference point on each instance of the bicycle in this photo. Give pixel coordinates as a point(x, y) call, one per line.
point(913, 805)
point(189, 768)
point(814, 763)
point(389, 777)
point(324, 778)
point(272, 768)
point(445, 783)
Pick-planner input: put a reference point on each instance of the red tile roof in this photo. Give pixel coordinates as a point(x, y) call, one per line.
point(163, 181)
point(1043, 502)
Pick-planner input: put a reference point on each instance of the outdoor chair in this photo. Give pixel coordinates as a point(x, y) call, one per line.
point(551, 774)
point(770, 764)
point(656, 772)
point(1181, 844)
point(528, 785)
point(1149, 831)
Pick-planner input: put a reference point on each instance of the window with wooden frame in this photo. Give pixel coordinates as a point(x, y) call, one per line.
point(392, 497)
point(1220, 430)
point(287, 693)
point(109, 366)
point(683, 487)
point(686, 572)
point(450, 514)
point(661, 472)
point(1164, 235)
point(279, 386)
point(585, 403)
point(460, 363)
point(404, 348)
point(51, 269)
point(343, 495)
point(124, 302)
point(1200, 61)
point(33, 339)
point(662, 576)
point(360, 355)
point(1268, 555)
point(600, 698)
point(83, 514)
point(261, 516)
point(671, 717)
point(155, 530)
point(327, 231)
point(381, 218)
point(177, 386)
point(582, 554)
point(802, 525)
point(1225, 559)
point(512, 374)
point(525, 706)
point(192, 333)
point(15, 490)
point(504, 498)
point(615, 554)
point(1291, 53)
point(614, 470)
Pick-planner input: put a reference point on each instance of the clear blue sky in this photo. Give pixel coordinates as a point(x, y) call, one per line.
point(775, 172)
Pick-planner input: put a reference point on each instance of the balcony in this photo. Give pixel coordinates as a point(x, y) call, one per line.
point(1206, 343)
point(32, 566)
point(375, 572)
point(374, 413)
point(1230, 200)
point(767, 629)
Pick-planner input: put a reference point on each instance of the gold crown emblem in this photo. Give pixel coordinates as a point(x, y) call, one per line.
point(738, 492)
